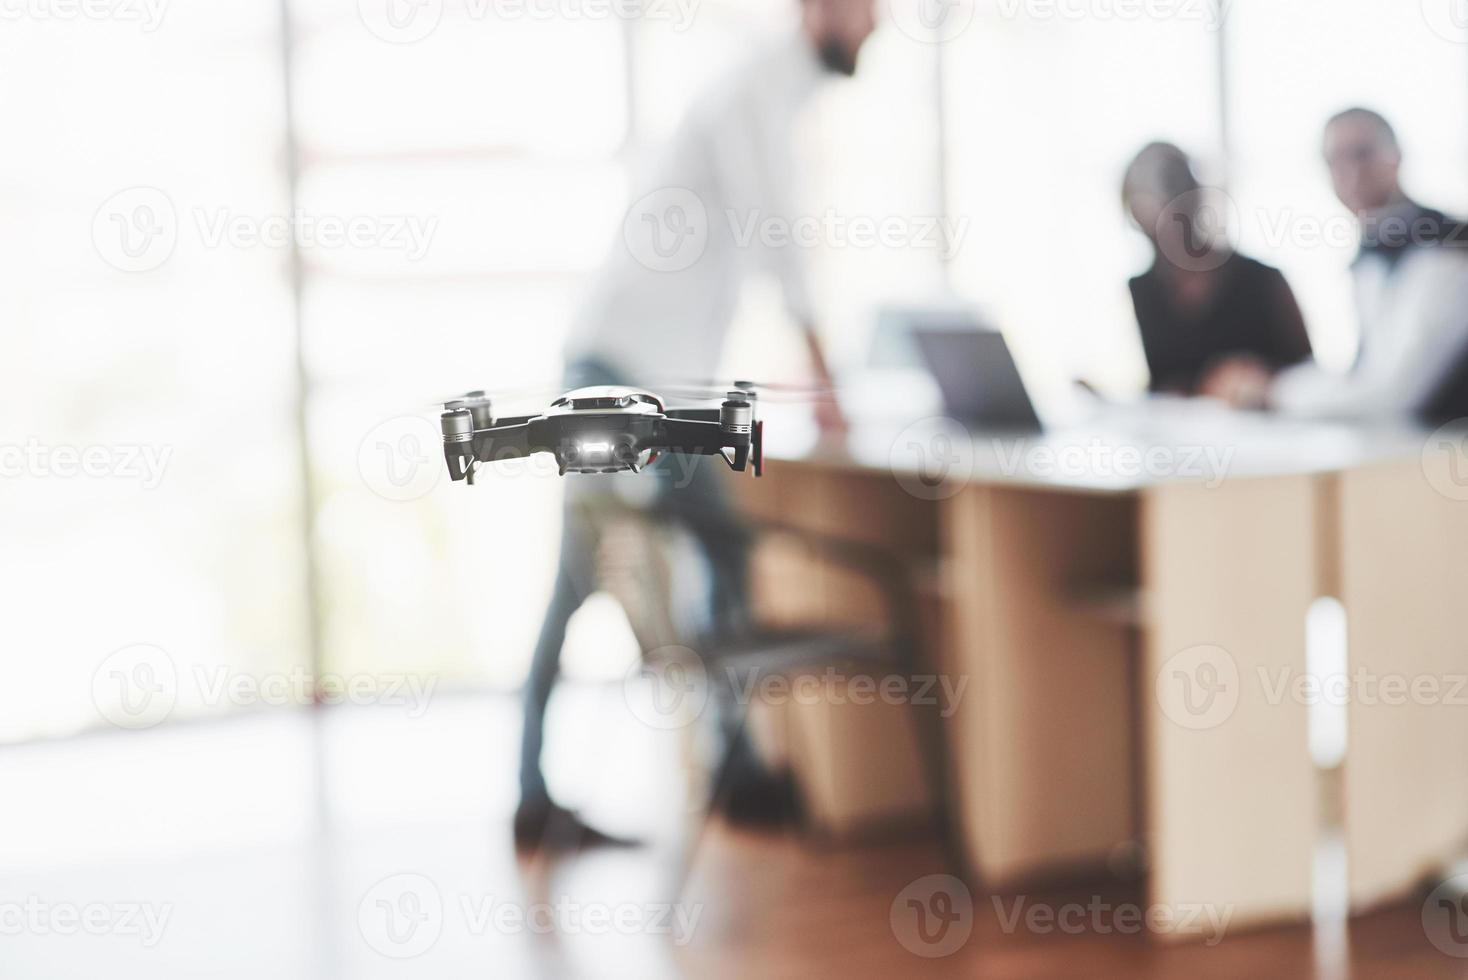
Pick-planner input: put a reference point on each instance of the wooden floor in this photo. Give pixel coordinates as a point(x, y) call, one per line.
point(777, 926)
point(284, 847)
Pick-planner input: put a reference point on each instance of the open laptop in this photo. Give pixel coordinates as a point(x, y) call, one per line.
point(977, 376)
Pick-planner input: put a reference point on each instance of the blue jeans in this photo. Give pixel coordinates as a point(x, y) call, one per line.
point(691, 492)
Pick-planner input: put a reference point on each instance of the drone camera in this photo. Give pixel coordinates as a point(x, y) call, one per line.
point(587, 455)
point(600, 454)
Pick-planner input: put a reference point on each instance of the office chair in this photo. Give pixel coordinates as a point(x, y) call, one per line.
point(638, 562)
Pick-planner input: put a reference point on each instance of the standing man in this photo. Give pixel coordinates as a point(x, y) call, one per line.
point(1411, 285)
point(660, 310)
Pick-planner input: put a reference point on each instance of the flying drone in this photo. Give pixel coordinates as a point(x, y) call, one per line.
point(603, 430)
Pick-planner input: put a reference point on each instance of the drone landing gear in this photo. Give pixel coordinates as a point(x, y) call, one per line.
point(741, 457)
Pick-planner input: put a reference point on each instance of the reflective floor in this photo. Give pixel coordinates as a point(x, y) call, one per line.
point(357, 843)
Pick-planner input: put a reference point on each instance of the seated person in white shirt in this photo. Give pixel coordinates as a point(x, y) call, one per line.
point(1411, 287)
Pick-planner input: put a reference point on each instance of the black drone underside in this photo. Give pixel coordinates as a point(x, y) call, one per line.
point(602, 430)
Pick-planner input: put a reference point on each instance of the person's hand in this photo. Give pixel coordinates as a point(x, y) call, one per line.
point(1241, 382)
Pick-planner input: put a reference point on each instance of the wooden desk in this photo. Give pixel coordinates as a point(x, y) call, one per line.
point(1092, 608)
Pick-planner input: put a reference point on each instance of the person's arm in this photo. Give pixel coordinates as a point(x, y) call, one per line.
point(1244, 380)
point(790, 271)
point(828, 409)
point(773, 176)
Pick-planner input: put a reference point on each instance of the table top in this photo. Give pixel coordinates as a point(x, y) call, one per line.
point(1119, 450)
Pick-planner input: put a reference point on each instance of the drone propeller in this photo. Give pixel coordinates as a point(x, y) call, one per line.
point(533, 399)
point(722, 384)
point(770, 392)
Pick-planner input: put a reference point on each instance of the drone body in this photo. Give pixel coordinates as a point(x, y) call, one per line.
point(602, 430)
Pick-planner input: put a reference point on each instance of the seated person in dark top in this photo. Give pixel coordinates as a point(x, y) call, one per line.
point(1202, 305)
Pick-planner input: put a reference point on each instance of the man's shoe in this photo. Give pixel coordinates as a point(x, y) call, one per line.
point(543, 825)
point(757, 799)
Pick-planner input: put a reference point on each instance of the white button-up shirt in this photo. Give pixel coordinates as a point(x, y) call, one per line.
point(1414, 330)
point(661, 305)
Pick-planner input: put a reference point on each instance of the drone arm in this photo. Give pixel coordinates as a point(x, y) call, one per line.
point(693, 437)
point(508, 439)
point(706, 437)
point(465, 447)
point(693, 414)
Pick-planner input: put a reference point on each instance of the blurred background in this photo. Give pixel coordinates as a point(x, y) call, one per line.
point(507, 142)
point(267, 500)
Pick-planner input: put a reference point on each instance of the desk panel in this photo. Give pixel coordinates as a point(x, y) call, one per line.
point(1404, 583)
point(1232, 814)
point(1042, 748)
